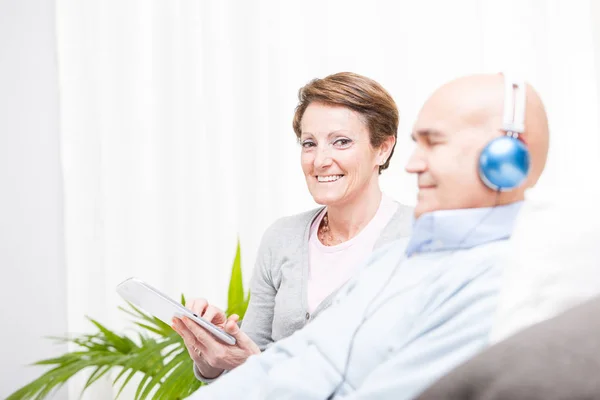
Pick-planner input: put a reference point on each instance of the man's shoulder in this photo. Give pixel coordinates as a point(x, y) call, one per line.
point(481, 267)
point(495, 252)
point(484, 258)
point(453, 269)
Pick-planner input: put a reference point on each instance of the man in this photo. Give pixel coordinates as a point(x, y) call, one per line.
point(424, 305)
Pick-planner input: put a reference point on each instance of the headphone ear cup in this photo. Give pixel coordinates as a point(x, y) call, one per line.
point(504, 163)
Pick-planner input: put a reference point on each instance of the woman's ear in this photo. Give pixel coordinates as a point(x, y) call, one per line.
point(386, 149)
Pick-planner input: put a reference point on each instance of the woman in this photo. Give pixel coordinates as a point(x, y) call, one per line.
point(346, 125)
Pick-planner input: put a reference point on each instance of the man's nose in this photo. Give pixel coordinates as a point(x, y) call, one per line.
point(416, 163)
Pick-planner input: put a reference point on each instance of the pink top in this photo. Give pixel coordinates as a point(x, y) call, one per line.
point(331, 266)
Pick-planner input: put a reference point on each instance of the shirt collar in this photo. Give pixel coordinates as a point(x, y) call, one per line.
point(461, 229)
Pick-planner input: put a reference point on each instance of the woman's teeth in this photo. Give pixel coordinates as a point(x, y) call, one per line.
point(329, 178)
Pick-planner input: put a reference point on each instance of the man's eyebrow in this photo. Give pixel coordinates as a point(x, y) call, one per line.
point(426, 133)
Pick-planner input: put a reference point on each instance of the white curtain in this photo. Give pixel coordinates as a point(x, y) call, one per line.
point(176, 119)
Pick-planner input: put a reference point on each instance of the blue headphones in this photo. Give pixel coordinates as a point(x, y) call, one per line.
point(504, 162)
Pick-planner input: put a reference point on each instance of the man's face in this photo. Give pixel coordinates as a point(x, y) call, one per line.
point(446, 157)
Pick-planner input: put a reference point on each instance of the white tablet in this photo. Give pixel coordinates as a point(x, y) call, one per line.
point(149, 299)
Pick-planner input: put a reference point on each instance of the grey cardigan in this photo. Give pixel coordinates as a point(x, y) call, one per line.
point(278, 300)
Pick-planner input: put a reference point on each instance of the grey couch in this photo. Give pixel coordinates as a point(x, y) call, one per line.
point(558, 359)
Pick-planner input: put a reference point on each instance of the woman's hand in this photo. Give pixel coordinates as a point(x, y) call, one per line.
point(210, 355)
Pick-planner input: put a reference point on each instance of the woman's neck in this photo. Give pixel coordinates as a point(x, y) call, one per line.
point(347, 220)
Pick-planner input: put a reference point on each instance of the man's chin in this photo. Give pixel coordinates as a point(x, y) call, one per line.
point(424, 207)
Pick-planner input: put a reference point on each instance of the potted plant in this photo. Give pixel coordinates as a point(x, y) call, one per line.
point(157, 354)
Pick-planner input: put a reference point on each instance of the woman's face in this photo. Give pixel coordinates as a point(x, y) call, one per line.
point(338, 160)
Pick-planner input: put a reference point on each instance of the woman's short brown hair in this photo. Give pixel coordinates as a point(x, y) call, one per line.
point(358, 93)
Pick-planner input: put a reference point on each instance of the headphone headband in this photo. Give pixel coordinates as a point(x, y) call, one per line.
point(514, 106)
point(504, 162)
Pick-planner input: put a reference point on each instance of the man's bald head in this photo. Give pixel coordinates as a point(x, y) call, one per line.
point(453, 127)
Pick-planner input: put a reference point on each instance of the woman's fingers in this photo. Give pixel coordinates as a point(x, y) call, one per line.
point(178, 326)
point(231, 325)
point(183, 331)
point(214, 315)
point(198, 306)
point(201, 308)
point(194, 347)
point(215, 354)
point(243, 341)
point(201, 335)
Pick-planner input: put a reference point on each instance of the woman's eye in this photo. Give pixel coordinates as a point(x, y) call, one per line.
point(342, 142)
point(308, 144)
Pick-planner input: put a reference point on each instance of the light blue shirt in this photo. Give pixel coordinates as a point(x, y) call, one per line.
point(461, 229)
point(419, 308)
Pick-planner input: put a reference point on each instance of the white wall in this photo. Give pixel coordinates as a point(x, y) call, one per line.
point(32, 268)
point(595, 15)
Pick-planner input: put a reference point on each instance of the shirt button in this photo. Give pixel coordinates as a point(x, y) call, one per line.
point(307, 316)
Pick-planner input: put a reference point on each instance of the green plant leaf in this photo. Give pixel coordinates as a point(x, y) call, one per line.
point(112, 338)
point(98, 373)
point(162, 328)
point(236, 299)
point(169, 367)
point(132, 373)
point(180, 384)
point(140, 387)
